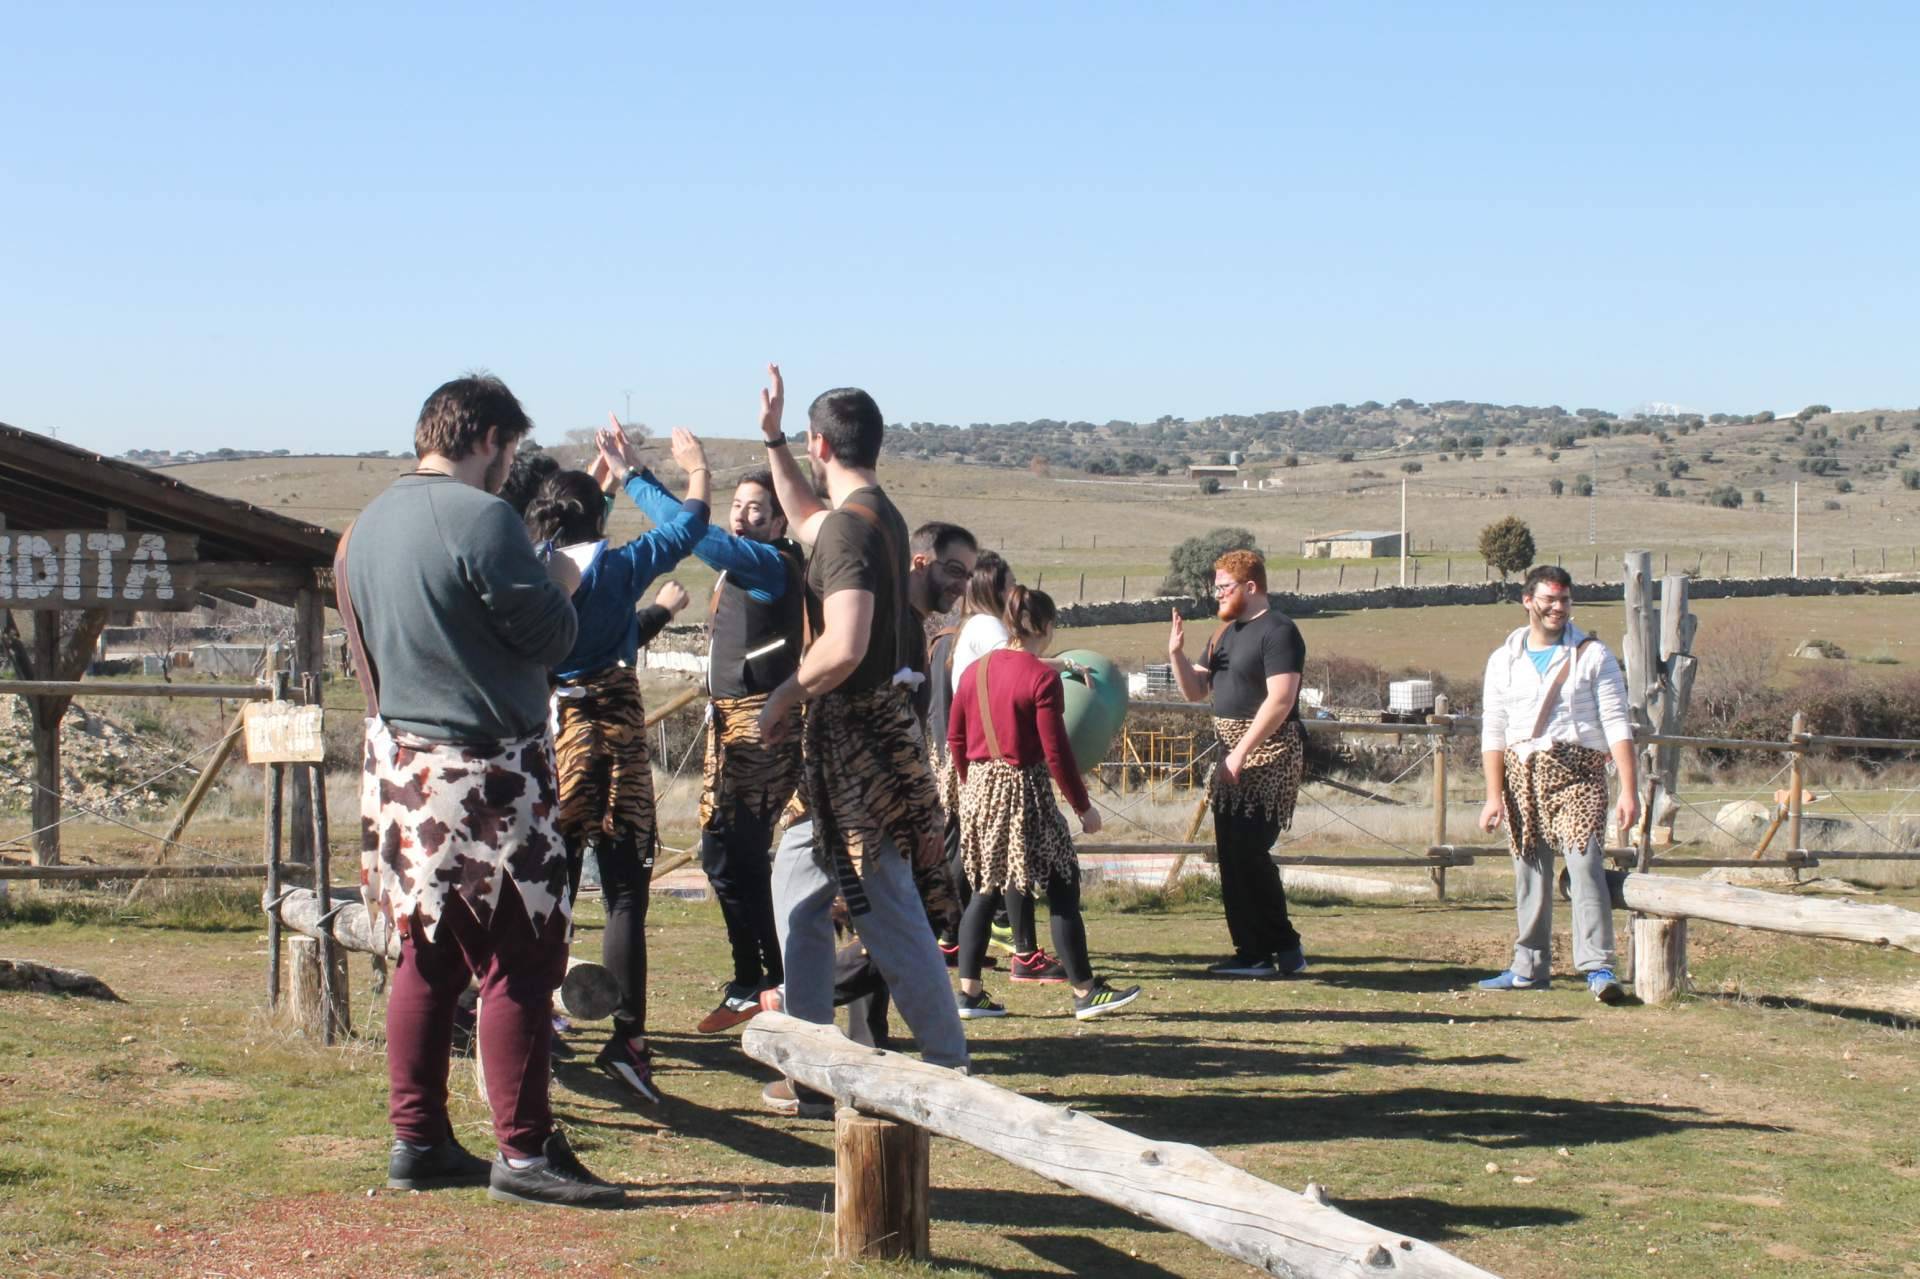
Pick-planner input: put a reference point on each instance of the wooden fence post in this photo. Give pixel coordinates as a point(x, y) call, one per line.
point(1796, 781)
point(879, 1188)
point(1439, 873)
point(318, 997)
point(1659, 958)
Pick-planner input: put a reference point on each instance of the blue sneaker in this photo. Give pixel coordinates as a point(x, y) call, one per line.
point(1292, 962)
point(1605, 986)
point(1511, 980)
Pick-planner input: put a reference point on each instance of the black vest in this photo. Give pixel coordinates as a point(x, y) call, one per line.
point(739, 624)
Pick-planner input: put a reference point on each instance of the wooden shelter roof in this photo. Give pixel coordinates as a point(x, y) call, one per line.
point(45, 484)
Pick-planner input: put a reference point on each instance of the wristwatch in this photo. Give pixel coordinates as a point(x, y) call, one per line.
point(775, 441)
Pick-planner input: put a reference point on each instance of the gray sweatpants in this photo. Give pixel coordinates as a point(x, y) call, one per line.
point(894, 927)
point(1592, 911)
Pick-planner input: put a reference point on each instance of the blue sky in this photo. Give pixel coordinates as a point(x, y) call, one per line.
point(263, 226)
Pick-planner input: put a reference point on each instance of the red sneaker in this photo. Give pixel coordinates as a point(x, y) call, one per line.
point(1038, 966)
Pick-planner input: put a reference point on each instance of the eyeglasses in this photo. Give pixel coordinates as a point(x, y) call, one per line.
point(1549, 602)
point(952, 569)
point(1222, 590)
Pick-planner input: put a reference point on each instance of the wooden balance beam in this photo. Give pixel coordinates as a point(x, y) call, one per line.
point(1177, 1185)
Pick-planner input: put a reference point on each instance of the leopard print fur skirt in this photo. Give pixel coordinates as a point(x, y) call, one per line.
point(1269, 783)
point(1012, 831)
point(1554, 798)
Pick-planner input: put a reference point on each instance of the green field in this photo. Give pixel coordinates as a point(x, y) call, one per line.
point(1755, 1128)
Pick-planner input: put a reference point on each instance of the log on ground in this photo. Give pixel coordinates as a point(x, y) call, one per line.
point(1678, 898)
point(45, 979)
point(1177, 1185)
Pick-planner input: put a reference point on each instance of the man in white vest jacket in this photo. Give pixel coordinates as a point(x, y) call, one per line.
point(1555, 709)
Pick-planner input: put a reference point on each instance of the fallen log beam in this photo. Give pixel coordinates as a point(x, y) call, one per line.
point(1178, 1185)
point(139, 872)
point(1676, 898)
point(589, 992)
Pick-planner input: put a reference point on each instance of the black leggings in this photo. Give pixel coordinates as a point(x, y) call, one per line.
point(626, 881)
point(1068, 926)
point(1017, 907)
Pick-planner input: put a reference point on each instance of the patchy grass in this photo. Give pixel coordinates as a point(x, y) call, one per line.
point(1747, 1129)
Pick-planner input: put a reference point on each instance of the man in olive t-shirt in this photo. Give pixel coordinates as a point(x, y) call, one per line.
point(871, 800)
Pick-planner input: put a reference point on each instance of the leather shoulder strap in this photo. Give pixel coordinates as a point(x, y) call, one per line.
point(1553, 688)
point(363, 669)
point(986, 705)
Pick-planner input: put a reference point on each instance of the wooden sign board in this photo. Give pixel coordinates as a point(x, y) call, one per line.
point(98, 568)
point(284, 733)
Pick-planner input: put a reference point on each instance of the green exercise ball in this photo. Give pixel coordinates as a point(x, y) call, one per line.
point(1096, 704)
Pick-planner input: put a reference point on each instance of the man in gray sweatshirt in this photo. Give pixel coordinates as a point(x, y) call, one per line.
point(459, 620)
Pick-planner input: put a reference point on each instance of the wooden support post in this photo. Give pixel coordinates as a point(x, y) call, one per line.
point(1659, 958)
point(44, 807)
point(309, 651)
point(879, 1188)
point(271, 805)
point(1796, 782)
point(1193, 829)
point(318, 996)
point(1439, 873)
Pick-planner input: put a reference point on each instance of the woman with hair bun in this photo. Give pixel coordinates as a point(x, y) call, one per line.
point(1006, 731)
point(606, 773)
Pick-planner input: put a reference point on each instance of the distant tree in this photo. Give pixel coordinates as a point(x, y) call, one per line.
point(1411, 468)
point(1190, 566)
point(1291, 459)
point(1209, 486)
point(1830, 505)
point(1583, 485)
point(1910, 479)
point(1843, 486)
point(1346, 455)
point(1814, 410)
point(1678, 466)
point(1563, 439)
point(1660, 489)
point(1727, 497)
point(1556, 487)
point(1759, 497)
point(1765, 415)
point(1507, 544)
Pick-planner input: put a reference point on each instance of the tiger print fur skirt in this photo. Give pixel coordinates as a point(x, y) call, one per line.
point(606, 770)
point(742, 769)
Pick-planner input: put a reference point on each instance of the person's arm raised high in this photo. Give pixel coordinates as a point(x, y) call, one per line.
point(805, 511)
point(1195, 681)
point(679, 525)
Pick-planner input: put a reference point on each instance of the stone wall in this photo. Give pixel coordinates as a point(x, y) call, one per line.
point(1125, 612)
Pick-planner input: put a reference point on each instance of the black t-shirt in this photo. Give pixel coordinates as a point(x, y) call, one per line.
point(1245, 654)
point(852, 553)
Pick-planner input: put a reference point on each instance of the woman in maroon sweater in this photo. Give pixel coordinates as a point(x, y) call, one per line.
point(1005, 731)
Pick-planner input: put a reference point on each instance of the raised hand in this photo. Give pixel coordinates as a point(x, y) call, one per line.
point(1177, 637)
point(672, 597)
point(688, 451)
point(602, 472)
point(617, 447)
point(773, 402)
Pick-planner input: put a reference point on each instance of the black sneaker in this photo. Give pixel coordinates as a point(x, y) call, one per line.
point(1291, 962)
point(1102, 999)
point(559, 1180)
point(630, 1066)
point(435, 1168)
point(784, 1097)
point(1240, 966)
point(980, 1005)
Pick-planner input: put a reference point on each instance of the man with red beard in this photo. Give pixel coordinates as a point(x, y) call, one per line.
point(1252, 670)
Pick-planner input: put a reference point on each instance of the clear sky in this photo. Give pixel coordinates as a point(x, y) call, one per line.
point(281, 226)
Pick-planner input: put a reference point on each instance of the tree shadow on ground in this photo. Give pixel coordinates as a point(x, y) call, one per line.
point(1494, 1120)
point(1407, 977)
point(1188, 1057)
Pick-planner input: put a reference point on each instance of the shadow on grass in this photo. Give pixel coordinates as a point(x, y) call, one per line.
point(1188, 1057)
point(1360, 1016)
point(1436, 1221)
point(1494, 1120)
point(1850, 1012)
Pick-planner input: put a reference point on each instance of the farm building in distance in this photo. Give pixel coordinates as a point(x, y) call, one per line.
point(1200, 471)
point(1351, 544)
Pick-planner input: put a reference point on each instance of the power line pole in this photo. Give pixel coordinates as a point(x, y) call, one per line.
point(1403, 530)
point(1796, 528)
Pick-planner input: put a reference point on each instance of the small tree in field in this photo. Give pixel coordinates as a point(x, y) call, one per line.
point(1209, 486)
point(1190, 567)
point(1507, 544)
